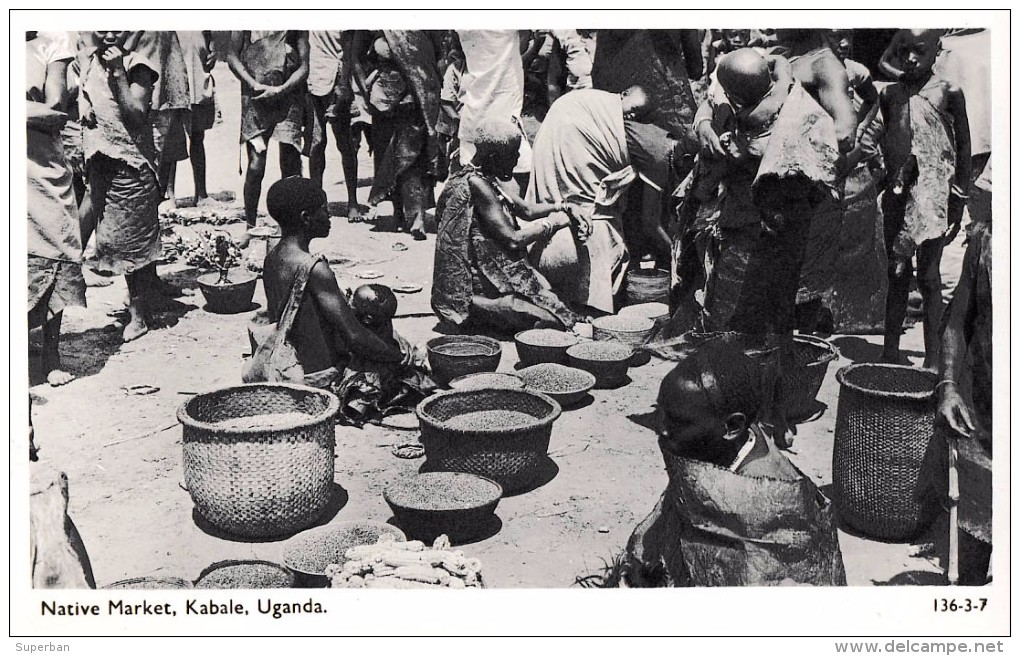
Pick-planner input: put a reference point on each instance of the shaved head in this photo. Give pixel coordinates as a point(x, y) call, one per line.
point(745, 76)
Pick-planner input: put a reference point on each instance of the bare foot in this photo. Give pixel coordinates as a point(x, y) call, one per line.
point(93, 279)
point(419, 235)
point(134, 330)
point(167, 205)
point(206, 201)
point(354, 214)
point(58, 377)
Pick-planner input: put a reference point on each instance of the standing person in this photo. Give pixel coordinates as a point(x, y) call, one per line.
point(54, 246)
point(272, 67)
point(199, 60)
point(329, 87)
point(403, 94)
point(493, 88)
point(926, 145)
point(121, 162)
point(448, 125)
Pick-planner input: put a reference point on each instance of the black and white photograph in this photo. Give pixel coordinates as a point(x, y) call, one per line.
point(654, 304)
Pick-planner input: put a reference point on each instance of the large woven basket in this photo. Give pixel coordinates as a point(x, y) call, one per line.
point(884, 430)
point(262, 481)
point(804, 378)
point(512, 457)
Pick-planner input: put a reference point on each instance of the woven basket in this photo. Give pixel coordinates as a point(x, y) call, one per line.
point(245, 575)
point(531, 353)
point(459, 519)
point(573, 384)
point(265, 481)
point(512, 457)
point(803, 380)
point(608, 372)
point(647, 286)
point(884, 430)
point(452, 356)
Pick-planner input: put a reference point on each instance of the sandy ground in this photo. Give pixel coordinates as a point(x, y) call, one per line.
point(122, 453)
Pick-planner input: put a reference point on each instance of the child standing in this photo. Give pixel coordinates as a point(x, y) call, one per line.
point(926, 146)
point(121, 162)
point(199, 60)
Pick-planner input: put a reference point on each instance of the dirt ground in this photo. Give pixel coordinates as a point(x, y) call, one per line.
point(122, 452)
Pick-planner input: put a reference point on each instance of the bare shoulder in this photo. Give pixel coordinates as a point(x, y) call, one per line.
point(481, 186)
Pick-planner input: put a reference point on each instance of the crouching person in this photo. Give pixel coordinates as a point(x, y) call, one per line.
point(735, 511)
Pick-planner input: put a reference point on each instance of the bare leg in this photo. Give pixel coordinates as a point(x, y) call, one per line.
point(139, 283)
point(55, 374)
point(929, 283)
point(411, 191)
point(252, 189)
point(347, 142)
point(167, 182)
point(317, 156)
point(87, 211)
point(900, 272)
point(290, 160)
point(197, 155)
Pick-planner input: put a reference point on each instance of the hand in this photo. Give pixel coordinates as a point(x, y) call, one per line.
point(268, 93)
point(954, 216)
point(113, 59)
point(559, 220)
point(708, 140)
point(209, 61)
point(954, 413)
point(846, 144)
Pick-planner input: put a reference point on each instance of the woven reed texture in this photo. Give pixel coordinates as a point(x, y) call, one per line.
point(647, 286)
point(884, 429)
point(511, 457)
point(265, 481)
point(459, 524)
point(530, 353)
point(603, 331)
point(803, 380)
point(245, 575)
point(450, 365)
point(608, 373)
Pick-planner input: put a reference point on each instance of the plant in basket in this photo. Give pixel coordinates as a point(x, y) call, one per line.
point(225, 292)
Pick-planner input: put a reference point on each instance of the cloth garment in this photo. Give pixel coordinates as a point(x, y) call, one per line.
point(492, 87)
point(582, 143)
point(578, 56)
point(201, 85)
point(325, 57)
point(103, 130)
point(53, 285)
point(125, 201)
point(271, 57)
point(468, 262)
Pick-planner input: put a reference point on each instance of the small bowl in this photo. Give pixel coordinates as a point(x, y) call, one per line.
point(540, 345)
point(567, 385)
point(452, 356)
point(607, 361)
point(487, 380)
point(308, 553)
point(455, 504)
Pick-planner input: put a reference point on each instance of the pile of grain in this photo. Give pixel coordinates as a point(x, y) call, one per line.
point(246, 576)
point(547, 337)
point(267, 421)
point(444, 491)
point(624, 323)
point(601, 351)
point(464, 349)
point(314, 551)
point(489, 420)
point(552, 378)
point(487, 380)
point(647, 310)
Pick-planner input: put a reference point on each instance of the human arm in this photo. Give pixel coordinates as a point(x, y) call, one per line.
point(55, 89)
point(42, 117)
point(209, 56)
point(831, 84)
point(554, 73)
point(237, 67)
point(358, 40)
point(337, 311)
point(888, 64)
point(499, 227)
point(299, 75)
point(690, 45)
point(343, 91)
point(133, 89)
point(704, 130)
point(957, 106)
point(952, 409)
point(530, 211)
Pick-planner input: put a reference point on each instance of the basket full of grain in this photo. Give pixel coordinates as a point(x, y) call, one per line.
point(259, 458)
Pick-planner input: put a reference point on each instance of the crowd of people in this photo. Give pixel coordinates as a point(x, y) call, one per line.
point(787, 179)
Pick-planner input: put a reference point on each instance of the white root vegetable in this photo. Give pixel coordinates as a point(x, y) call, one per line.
point(420, 574)
point(456, 583)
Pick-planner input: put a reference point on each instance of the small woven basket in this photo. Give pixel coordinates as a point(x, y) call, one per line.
point(803, 380)
point(151, 583)
point(607, 361)
point(884, 430)
point(467, 503)
point(265, 481)
point(452, 356)
point(531, 350)
point(511, 456)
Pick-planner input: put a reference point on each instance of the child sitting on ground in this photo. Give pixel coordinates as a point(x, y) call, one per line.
point(375, 306)
point(926, 146)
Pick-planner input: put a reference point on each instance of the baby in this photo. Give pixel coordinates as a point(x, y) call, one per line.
point(375, 305)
